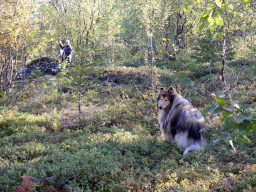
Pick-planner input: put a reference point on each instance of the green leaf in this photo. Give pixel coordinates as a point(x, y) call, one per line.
point(182, 74)
point(229, 123)
point(210, 109)
point(238, 118)
point(235, 130)
point(205, 15)
point(220, 35)
point(246, 1)
point(225, 114)
point(230, 6)
point(176, 7)
point(247, 116)
point(164, 39)
point(211, 76)
point(221, 101)
point(211, 21)
point(218, 111)
point(246, 126)
point(185, 8)
point(247, 139)
point(222, 9)
point(214, 36)
point(215, 14)
point(219, 21)
point(201, 27)
point(185, 82)
point(246, 106)
point(243, 116)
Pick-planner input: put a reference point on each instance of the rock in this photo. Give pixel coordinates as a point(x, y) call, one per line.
point(111, 77)
point(46, 66)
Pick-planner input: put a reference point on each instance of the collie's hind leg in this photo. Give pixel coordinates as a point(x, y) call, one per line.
point(194, 147)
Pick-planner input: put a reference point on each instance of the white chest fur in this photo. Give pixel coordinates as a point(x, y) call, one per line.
point(161, 116)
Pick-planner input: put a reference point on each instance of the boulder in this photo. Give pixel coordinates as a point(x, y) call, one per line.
point(46, 66)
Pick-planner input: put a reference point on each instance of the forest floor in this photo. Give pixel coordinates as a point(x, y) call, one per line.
point(117, 145)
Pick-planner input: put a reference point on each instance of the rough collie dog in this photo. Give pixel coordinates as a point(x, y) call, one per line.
point(180, 121)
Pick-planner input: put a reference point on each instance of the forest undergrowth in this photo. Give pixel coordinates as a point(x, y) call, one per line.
point(113, 142)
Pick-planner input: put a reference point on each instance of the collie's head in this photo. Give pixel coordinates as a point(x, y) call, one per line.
point(165, 98)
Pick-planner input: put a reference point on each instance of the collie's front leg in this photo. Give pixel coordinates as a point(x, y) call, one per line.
point(165, 134)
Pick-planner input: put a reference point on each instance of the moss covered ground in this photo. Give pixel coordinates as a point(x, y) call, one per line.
point(117, 146)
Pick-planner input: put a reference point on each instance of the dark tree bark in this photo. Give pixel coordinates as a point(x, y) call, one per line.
point(179, 37)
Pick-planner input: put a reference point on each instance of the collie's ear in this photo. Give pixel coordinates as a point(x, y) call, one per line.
point(171, 89)
point(159, 92)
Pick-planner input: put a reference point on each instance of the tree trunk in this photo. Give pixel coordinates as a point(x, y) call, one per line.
point(223, 59)
point(152, 61)
point(79, 105)
point(87, 38)
point(179, 38)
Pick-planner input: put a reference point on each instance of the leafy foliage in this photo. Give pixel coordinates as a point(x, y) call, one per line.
point(238, 119)
point(93, 127)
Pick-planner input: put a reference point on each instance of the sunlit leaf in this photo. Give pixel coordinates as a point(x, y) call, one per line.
point(211, 21)
point(221, 101)
point(219, 21)
point(220, 35)
point(241, 139)
point(218, 2)
point(230, 6)
point(247, 139)
point(205, 15)
point(185, 8)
